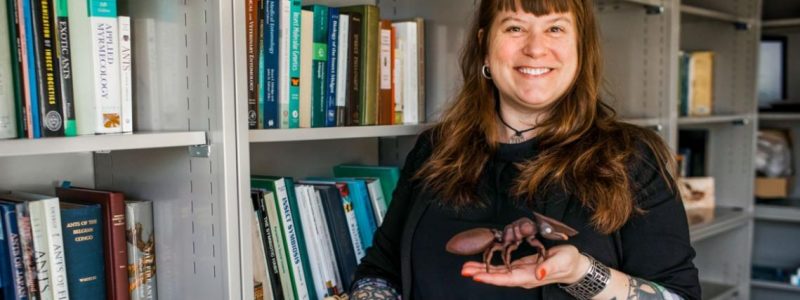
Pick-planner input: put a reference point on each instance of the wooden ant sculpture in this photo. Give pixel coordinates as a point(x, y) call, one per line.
point(489, 241)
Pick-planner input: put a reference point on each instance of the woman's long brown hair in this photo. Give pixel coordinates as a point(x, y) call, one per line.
point(585, 150)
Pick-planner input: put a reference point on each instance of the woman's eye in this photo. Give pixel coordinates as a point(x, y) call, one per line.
point(514, 29)
point(556, 29)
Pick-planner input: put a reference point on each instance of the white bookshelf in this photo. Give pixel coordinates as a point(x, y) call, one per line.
point(100, 143)
point(334, 133)
point(725, 219)
point(740, 119)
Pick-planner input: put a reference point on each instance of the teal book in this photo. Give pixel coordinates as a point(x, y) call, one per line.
point(294, 63)
point(389, 175)
point(283, 187)
point(83, 246)
point(319, 67)
point(363, 209)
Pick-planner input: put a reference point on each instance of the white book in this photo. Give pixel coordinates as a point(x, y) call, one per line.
point(290, 232)
point(306, 59)
point(353, 226)
point(331, 266)
point(8, 119)
point(399, 60)
point(285, 8)
point(126, 73)
point(94, 39)
point(311, 238)
point(376, 197)
point(259, 257)
point(271, 204)
point(341, 67)
point(48, 245)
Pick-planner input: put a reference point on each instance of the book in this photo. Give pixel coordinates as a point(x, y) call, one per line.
point(63, 49)
point(353, 227)
point(385, 106)
point(29, 69)
point(291, 19)
point(369, 51)
point(260, 276)
point(47, 68)
point(342, 92)
point(270, 206)
point(701, 83)
point(353, 101)
point(126, 73)
point(8, 98)
point(48, 243)
point(410, 35)
point(362, 206)
point(319, 63)
point(388, 175)
point(105, 65)
point(292, 232)
point(251, 19)
point(271, 280)
point(270, 49)
point(141, 240)
point(376, 197)
point(320, 252)
point(332, 67)
point(17, 79)
point(28, 253)
point(83, 247)
point(683, 83)
point(306, 68)
point(11, 262)
point(115, 250)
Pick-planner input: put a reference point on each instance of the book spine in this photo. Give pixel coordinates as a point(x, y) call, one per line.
point(63, 50)
point(41, 252)
point(126, 72)
point(399, 72)
point(261, 93)
point(352, 224)
point(8, 115)
point(319, 66)
point(306, 62)
point(342, 70)
point(48, 69)
point(330, 265)
point(83, 247)
point(268, 239)
point(419, 80)
point(306, 222)
point(333, 53)
point(105, 58)
point(354, 72)
point(294, 62)
point(252, 60)
point(19, 80)
point(280, 247)
point(292, 232)
point(15, 267)
point(272, 56)
point(29, 67)
point(141, 242)
point(385, 103)
point(369, 76)
point(55, 244)
point(28, 252)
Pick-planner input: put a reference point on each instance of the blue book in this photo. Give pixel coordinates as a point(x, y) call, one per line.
point(13, 269)
point(82, 226)
point(333, 53)
point(33, 85)
point(362, 206)
point(271, 54)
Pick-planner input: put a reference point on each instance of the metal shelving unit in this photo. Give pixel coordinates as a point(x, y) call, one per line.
point(777, 213)
point(779, 116)
point(334, 133)
point(778, 286)
point(743, 22)
point(725, 219)
point(740, 119)
point(716, 291)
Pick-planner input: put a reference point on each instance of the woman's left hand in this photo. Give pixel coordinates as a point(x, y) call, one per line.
point(564, 264)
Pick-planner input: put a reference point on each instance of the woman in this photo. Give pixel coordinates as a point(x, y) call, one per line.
point(528, 132)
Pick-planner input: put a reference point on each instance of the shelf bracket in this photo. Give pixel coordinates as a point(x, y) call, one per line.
point(654, 9)
point(201, 151)
point(742, 26)
point(741, 122)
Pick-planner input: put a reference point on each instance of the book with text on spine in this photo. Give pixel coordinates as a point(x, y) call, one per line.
point(141, 241)
point(83, 245)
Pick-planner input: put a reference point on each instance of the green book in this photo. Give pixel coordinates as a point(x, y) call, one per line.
point(368, 98)
point(320, 64)
point(283, 187)
point(388, 176)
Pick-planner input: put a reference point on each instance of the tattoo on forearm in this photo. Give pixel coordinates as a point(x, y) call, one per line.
point(640, 289)
point(373, 292)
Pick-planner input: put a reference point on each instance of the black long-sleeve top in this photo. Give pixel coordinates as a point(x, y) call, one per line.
point(408, 248)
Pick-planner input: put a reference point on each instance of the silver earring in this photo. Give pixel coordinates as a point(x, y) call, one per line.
point(485, 72)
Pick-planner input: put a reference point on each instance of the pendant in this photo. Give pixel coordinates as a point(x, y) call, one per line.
point(516, 139)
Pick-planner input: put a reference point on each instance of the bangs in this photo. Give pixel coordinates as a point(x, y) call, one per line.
point(535, 7)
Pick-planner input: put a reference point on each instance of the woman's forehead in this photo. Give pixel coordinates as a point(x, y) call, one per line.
point(535, 7)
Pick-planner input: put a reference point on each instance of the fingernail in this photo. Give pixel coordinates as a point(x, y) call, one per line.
point(476, 279)
point(542, 273)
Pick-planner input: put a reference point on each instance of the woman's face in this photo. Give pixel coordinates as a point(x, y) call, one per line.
point(533, 60)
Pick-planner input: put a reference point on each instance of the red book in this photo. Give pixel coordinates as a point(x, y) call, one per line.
point(116, 251)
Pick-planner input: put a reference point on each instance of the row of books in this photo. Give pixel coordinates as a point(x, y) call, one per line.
point(696, 83)
point(73, 246)
point(309, 235)
point(320, 66)
point(65, 68)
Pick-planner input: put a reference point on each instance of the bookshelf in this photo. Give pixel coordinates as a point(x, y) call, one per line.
point(101, 143)
point(715, 291)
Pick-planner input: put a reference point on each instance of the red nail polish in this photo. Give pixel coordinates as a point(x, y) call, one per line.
point(542, 273)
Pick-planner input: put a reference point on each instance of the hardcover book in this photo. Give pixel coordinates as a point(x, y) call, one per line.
point(369, 50)
point(63, 49)
point(306, 69)
point(115, 251)
point(269, 204)
point(83, 247)
point(126, 73)
point(29, 68)
point(11, 263)
point(8, 118)
point(389, 175)
point(342, 69)
point(141, 241)
point(47, 68)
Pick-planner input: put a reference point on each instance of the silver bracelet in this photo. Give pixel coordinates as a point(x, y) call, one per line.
point(593, 282)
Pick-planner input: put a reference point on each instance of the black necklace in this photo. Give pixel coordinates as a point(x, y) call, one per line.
point(517, 137)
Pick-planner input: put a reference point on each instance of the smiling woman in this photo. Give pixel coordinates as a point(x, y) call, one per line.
point(529, 133)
